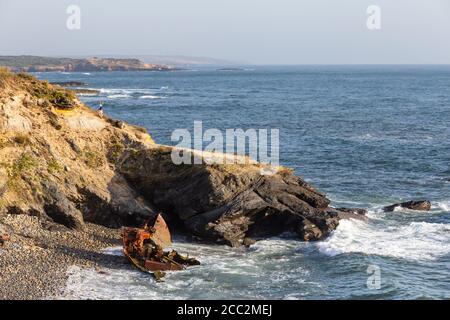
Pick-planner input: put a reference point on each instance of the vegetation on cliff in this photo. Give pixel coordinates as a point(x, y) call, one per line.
point(55, 153)
point(66, 165)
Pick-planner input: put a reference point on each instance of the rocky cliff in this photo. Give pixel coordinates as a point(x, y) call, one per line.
point(63, 163)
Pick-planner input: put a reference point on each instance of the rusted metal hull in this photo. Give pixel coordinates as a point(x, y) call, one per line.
point(161, 266)
point(161, 235)
point(144, 248)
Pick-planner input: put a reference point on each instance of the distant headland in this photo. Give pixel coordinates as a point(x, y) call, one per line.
point(52, 64)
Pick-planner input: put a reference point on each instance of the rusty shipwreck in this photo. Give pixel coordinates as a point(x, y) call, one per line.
point(144, 248)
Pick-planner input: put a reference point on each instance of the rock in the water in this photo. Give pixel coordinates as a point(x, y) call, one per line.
point(248, 242)
point(350, 213)
point(423, 205)
point(359, 211)
point(70, 83)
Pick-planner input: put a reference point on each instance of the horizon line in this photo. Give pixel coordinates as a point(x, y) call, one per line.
point(236, 63)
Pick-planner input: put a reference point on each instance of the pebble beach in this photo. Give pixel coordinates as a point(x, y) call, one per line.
point(35, 260)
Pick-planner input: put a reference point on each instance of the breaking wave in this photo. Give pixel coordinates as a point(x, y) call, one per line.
point(442, 206)
point(129, 91)
point(151, 97)
point(412, 241)
point(118, 93)
point(224, 273)
point(118, 96)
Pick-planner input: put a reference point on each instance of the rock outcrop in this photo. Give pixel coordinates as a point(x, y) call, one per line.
point(67, 165)
point(422, 205)
point(227, 203)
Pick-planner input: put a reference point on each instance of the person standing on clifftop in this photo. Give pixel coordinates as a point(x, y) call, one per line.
point(100, 112)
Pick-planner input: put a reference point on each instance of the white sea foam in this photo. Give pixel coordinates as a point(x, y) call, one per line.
point(150, 97)
point(258, 272)
point(412, 241)
point(128, 91)
point(110, 284)
point(224, 273)
point(87, 94)
point(119, 96)
point(442, 206)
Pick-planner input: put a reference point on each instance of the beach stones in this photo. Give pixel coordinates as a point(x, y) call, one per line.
point(4, 234)
point(3, 238)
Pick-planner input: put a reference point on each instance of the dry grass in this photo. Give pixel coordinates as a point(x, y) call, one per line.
point(93, 159)
point(56, 96)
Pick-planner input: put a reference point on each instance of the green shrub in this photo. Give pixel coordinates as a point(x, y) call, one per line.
point(62, 99)
point(93, 159)
point(21, 165)
point(115, 150)
point(26, 76)
point(53, 166)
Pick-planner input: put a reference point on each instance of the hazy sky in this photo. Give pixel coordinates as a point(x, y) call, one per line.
point(256, 31)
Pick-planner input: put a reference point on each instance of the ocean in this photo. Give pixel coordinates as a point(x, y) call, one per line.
point(367, 136)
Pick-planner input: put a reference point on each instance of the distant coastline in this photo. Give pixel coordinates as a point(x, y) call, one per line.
point(52, 64)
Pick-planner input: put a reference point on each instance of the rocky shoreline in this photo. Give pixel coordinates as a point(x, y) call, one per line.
point(70, 178)
point(64, 162)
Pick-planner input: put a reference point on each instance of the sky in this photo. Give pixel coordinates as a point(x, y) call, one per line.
point(250, 31)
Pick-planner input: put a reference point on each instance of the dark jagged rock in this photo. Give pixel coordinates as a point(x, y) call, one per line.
point(248, 242)
point(226, 204)
point(70, 83)
point(349, 213)
point(353, 210)
point(60, 209)
point(123, 207)
point(422, 205)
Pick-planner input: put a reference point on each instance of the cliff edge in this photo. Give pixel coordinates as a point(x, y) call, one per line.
point(62, 163)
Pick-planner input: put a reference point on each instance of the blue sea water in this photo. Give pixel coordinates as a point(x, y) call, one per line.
point(367, 136)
